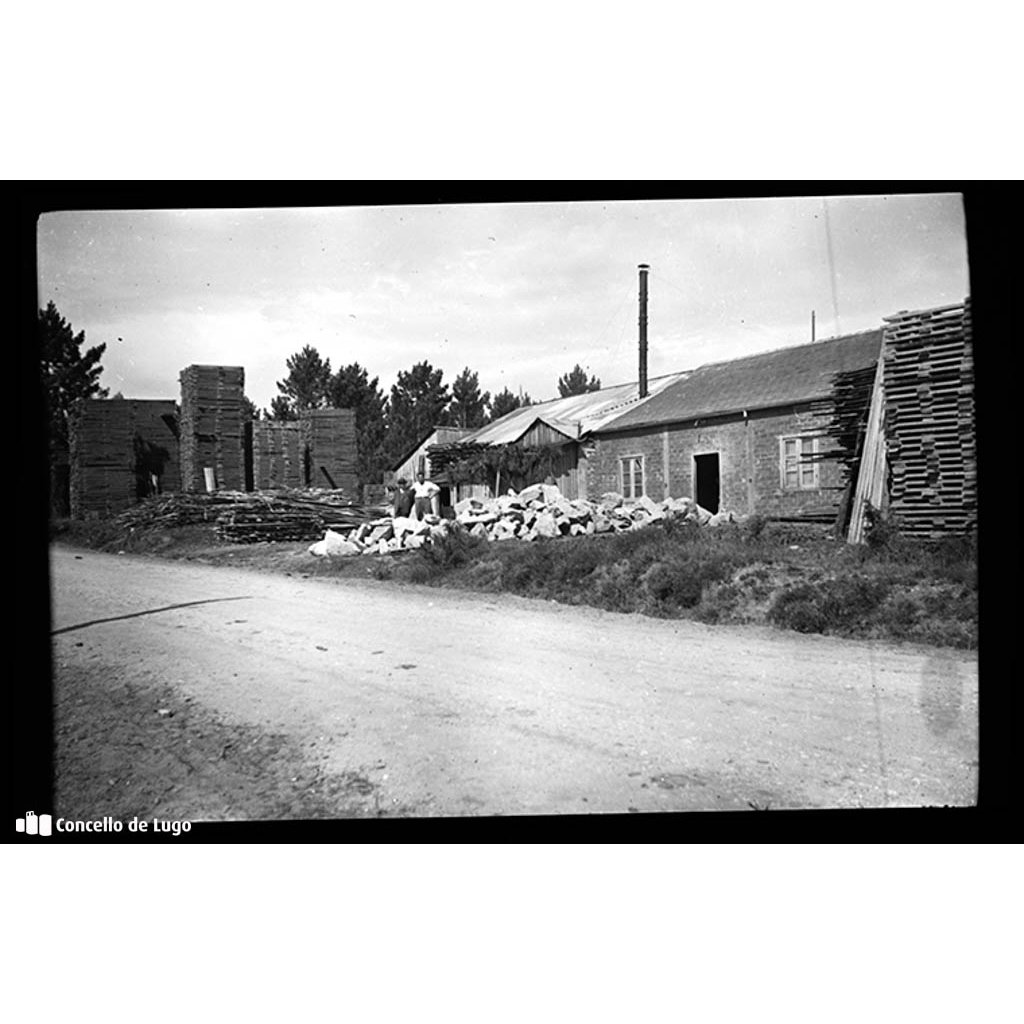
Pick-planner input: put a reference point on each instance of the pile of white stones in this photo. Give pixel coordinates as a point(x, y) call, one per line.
point(537, 511)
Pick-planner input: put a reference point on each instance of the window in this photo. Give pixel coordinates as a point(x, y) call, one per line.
point(799, 471)
point(631, 476)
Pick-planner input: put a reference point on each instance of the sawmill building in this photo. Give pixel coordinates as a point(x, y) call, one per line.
point(745, 435)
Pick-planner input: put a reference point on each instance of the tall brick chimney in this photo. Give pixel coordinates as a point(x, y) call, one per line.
point(643, 329)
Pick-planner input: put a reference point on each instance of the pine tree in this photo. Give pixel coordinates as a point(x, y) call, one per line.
point(68, 376)
point(351, 388)
point(417, 404)
point(505, 402)
point(281, 409)
point(306, 385)
point(575, 383)
point(469, 407)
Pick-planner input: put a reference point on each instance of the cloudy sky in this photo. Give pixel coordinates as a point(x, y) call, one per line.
point(517, 292)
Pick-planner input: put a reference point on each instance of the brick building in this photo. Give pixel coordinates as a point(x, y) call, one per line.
point(743, 435)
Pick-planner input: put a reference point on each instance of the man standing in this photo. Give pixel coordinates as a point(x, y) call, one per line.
point(424, 491)
point(403, 498)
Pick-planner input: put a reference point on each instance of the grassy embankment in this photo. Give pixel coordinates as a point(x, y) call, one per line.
point(790, 577)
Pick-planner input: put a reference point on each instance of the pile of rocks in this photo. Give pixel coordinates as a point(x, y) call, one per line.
point(538, 511)
point(382, 536)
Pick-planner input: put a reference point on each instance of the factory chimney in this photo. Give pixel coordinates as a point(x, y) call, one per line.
point(643, 329)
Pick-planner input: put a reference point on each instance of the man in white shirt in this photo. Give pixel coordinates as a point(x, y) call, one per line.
point(423, 491)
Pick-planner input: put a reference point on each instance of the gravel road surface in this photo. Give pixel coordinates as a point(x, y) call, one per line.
point(207, 693)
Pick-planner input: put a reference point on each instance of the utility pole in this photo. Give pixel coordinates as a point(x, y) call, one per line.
point(643, 329)
point(812, 326)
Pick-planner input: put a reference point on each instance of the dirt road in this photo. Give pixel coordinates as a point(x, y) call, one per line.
point(214, 694)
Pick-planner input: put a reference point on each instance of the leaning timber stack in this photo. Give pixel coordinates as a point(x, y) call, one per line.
point(329, 439)
point(871, 491)
point(212, 426)
point(276, 455)
point(929, 420)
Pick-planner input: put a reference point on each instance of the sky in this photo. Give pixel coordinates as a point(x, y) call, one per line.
point(517, 292)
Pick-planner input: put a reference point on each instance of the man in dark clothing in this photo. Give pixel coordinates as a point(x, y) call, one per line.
point(403, 498)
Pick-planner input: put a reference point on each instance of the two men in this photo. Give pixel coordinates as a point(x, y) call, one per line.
point(417, 500)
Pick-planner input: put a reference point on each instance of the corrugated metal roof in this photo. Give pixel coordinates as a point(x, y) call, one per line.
point(784, 376)
point(572, 416)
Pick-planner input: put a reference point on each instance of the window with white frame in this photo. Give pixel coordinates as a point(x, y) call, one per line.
point(798, 468)
point(631, 476)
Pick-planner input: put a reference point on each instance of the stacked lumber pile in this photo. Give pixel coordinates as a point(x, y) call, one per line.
point(269, 521)
point(102, 476)
point(329, 442)
point(212, 426)
point(847, 410)
point(247, 518)
point(114, 446)
point(535, 512)
point(929, 420)
point(277, 456)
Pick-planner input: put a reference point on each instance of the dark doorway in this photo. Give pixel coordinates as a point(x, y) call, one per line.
point(705, 476)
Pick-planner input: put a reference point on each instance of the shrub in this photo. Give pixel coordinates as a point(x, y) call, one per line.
point(485, 575)
point(847, 605)
point(675, 583)
point(719, 602)
point(452, 549)
point(880, 531)
point(754, 527)
point(614, 587)
point(381, 569)
point(684, 530)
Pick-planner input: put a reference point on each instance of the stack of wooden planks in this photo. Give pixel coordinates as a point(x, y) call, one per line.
point(272, 521)
point(929, 420)
point(212, 426)
point(277, 455)
point(330, 456)
point(121, 451)
point(244, 518)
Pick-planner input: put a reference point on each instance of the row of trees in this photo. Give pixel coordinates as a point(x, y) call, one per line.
point(389, 427)
point(386, 427)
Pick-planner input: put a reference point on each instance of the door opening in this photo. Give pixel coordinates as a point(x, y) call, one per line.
point(706, 481)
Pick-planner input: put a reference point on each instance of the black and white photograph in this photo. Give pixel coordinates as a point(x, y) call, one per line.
point(476, 509)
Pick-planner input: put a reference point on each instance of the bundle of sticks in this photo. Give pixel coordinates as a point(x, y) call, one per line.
point(248, 517)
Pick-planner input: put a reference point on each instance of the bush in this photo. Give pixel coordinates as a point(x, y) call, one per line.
point(719, 602)
point(847, 605)
point(676, 583)
point(452, 549)
point(485, 575)
point(614, 587)
point(880, 531)
point(381, 569)
point(754, 527)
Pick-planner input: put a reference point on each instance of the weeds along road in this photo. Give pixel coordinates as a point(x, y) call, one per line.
point(416, 701)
